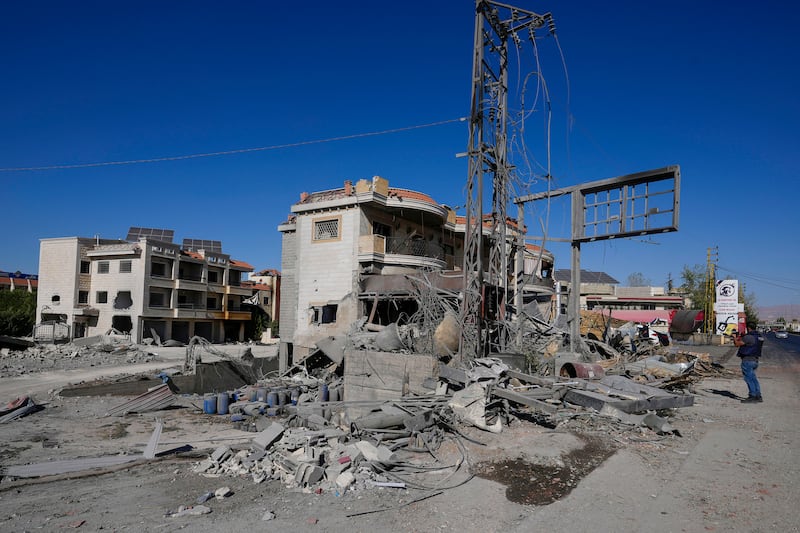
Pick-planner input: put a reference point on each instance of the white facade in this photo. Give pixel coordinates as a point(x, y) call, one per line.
point(348, 254)
point(141, 288)
point(337, 238)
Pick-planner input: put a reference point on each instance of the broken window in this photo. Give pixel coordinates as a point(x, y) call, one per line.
point(213, 276)
point(324, 314)
point(158, 270)
point(123, 301)
point(122, 323)
point(157, 299)
point(379, 228)
point(102, 267)
point(56, 299)
point(326, 230)
point(83, 297)
point(101, 297)
point(125, 266)
point(85, 267)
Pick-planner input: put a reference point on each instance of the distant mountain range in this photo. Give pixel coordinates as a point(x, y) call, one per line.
point(774, 312)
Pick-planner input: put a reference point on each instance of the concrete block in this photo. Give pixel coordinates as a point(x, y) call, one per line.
point(385, 455)
point(222, 492)
point(345, 479)
point(203, 466)
point(369, 451)
point(313, 475)
point(253, 457)
point(221, 454)
point(265, 439)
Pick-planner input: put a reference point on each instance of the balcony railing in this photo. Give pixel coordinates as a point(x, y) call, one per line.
point(413, 246)
point(191, 306)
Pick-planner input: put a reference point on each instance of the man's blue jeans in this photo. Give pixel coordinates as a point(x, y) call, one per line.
point(749, 367)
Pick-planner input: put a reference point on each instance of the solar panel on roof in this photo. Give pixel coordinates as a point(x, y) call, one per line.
point(164, 235)
point(194, 245)
point(587, 276)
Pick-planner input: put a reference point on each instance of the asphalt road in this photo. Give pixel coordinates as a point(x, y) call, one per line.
point(736, 466)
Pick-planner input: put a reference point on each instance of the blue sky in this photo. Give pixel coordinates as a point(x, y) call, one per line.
point(707, 86)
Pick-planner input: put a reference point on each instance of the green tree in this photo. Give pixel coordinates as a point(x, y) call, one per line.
point(750, 307)
point(694, 285)
point(17, 313)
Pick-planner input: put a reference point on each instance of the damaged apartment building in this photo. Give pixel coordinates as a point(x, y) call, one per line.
point(354, 252)
point(145, 286)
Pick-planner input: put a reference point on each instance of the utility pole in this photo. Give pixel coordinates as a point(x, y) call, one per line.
point(486, 286)
point(712, 255)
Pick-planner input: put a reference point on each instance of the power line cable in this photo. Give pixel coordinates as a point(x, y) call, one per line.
point(232, 152)
point(761, 279)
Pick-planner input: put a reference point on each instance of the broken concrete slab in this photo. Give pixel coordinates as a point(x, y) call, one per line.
point(152, 444)
point(159, 397)
point(265, 439)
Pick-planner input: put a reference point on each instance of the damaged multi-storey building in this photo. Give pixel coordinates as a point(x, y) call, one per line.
point(145, 286)
point(354, 252)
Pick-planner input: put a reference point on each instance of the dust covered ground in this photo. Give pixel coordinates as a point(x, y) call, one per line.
point(734, 467)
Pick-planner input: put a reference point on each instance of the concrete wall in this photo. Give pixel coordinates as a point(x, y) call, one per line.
point(59, 265)
point(288, 311)
point(325, 275)
point(113, 283)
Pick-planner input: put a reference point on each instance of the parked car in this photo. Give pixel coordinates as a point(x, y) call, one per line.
point(782, 334)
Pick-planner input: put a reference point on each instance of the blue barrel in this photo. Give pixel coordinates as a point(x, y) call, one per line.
point(272, 399)
point(323, 392)
point(295, 395)
point(222, 403)
point(210, 404)
point(282, 397)
point(261, 396)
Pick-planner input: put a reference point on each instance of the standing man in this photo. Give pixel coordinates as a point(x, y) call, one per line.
point(750, 351)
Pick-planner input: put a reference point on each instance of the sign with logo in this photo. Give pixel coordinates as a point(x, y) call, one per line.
point(727, 306)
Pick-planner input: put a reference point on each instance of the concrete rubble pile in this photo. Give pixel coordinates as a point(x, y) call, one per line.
point(309, 439)
point(100, 350)
point(315, 448)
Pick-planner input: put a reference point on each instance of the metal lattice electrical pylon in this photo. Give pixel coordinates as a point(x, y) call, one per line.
point(486, 244)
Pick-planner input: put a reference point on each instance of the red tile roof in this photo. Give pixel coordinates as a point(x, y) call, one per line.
point(241, 264)
point(407, 194)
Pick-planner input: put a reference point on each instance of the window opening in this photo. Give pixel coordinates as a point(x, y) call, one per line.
point(324, 314)
point(326, 230)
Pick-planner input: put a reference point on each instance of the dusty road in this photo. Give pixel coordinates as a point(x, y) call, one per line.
point(735, 468)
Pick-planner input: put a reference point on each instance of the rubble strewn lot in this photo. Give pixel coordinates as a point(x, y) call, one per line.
point(42, 358)
point(490, 448)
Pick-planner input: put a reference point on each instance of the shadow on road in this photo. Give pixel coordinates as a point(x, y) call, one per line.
point(726, 393)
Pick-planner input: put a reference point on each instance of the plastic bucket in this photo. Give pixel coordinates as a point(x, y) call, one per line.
point(222, 403)
point(272, 399)
point(210, 404)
